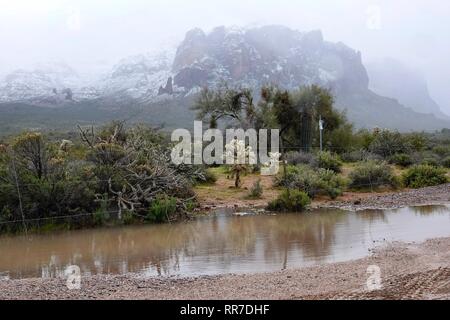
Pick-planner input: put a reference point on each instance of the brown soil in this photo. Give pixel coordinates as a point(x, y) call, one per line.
point(223, 194)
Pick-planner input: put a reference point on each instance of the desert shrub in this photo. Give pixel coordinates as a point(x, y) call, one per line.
point(424, 176)
point(387, 143)
point(300, 157)
point(330, 183)
point(372, 174)
point(210, 177)
point(290, 200)
point(364, 138)
point(162, 208)
point(126, 166)
point(430, 161)
point(401, 159)
point(330, 161)
point(101, 215)
point(342, 138)
point(441, 151)
point(313, 182)
point(195, 174)
point(128, 217)
point(191, 205)
point(359, 155)
point(416, 141)
point(446, 162)
point(256, 190)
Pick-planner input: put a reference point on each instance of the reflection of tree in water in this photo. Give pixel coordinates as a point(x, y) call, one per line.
point(310, 233)
point(430, 210)
point(163, 248)
point(214, 242)
point(372, 215)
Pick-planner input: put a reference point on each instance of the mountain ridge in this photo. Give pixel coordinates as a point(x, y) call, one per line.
point(247, 57)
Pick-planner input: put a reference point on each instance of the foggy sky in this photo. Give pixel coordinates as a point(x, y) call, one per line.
point(92, 35)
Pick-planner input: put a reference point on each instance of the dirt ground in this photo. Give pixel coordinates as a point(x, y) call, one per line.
point(407, 271)
point(223, 194)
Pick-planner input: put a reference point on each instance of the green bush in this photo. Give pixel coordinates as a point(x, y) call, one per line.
point(256, 190)
point(330, 183)
point(401, 159)
point(424, 176)
point(330, 161)
point(162, 208)
point(210, 177)
point(430, 162)
point(442, 150)
point(128, 217)
point(446, 162)
point(359, 155)
point(387, 143)
point(301, 157)
point(311, 181)
point(290, 201)
point(372, 174)
point(101, 215)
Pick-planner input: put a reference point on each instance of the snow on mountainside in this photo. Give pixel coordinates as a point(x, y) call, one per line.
point(267, 55)
point(247, 57)
point(46, 85)
point(138, 77)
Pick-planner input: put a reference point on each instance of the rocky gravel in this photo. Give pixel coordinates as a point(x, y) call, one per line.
point(436, 195)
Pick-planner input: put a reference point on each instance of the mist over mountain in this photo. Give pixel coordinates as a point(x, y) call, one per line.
point(159, 88)
point(391, 78)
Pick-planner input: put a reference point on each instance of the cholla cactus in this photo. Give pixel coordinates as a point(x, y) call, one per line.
point(65, 145)
point(240, 158)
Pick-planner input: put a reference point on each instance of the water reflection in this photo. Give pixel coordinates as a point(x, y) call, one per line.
point(430, 210)
point(220, 244)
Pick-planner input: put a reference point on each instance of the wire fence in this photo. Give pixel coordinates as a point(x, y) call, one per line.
point(19, 188)
point(71, 216)
point(55, 217)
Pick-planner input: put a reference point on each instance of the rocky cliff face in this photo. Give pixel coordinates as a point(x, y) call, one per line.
point(267, 55)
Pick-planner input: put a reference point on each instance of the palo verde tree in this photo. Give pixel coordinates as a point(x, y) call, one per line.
point(225, 104)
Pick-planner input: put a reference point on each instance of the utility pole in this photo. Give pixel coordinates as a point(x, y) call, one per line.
point(321, 132)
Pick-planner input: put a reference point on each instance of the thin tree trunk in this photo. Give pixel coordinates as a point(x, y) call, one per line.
point(18, 193)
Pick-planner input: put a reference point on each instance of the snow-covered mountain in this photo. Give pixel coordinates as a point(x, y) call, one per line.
point(266, 55)
point(138, 77)
point(247, 57)
point(46, 85)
